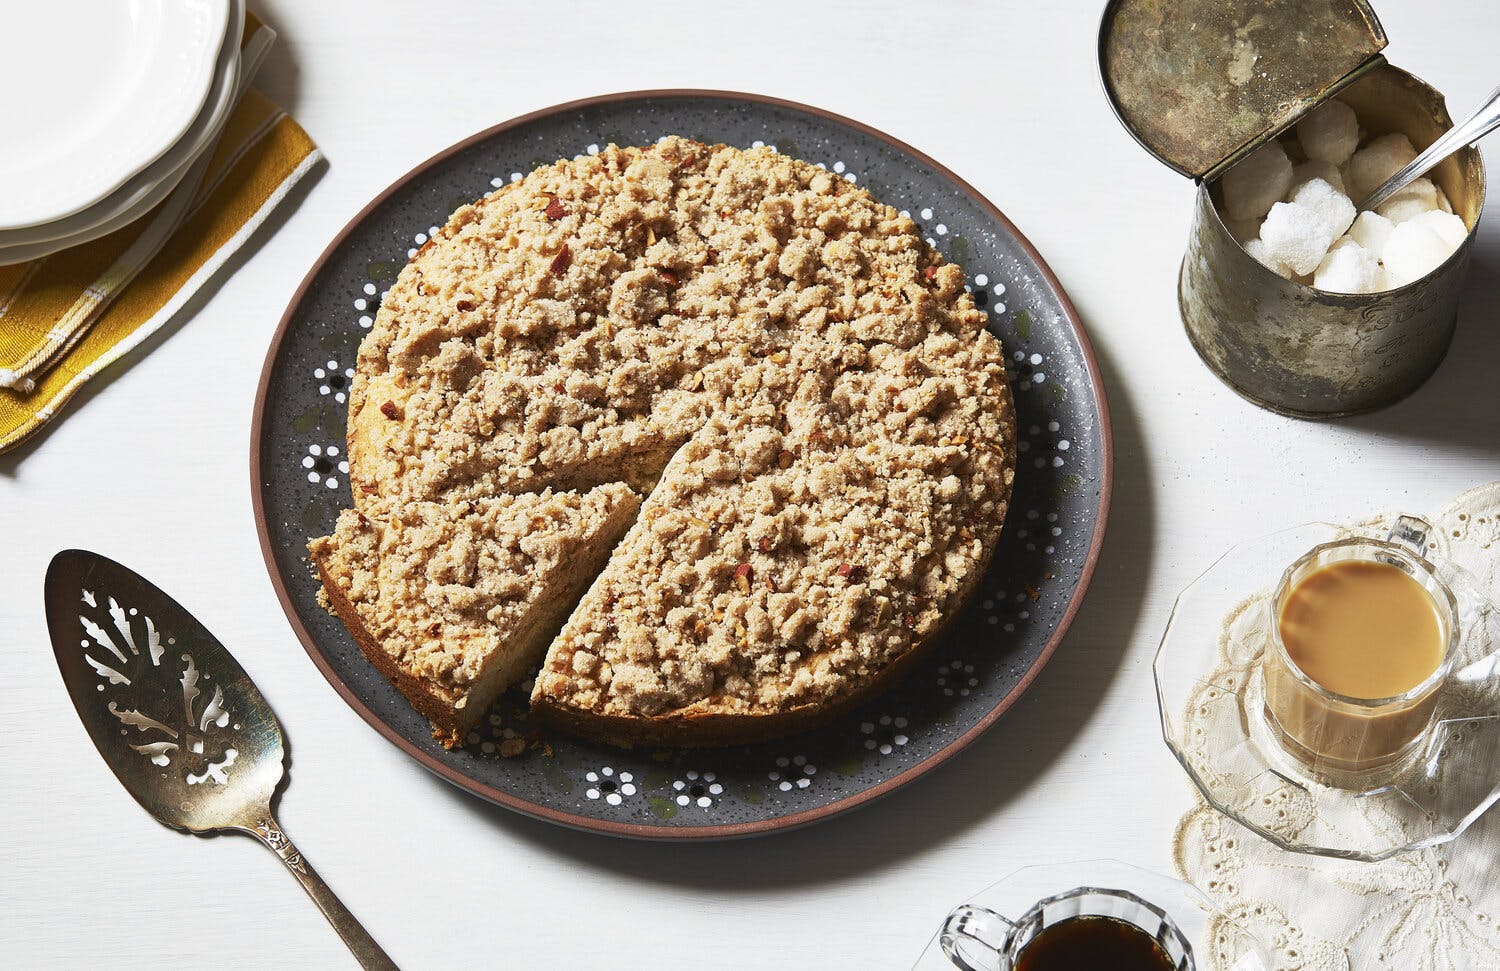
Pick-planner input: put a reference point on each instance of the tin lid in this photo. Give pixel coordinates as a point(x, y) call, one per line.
point(1201, 83)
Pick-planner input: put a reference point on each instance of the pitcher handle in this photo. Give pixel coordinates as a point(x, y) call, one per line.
point(1411, 532)
point(975, 939)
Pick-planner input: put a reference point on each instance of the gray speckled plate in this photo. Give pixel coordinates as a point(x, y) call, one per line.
point(1043, 565)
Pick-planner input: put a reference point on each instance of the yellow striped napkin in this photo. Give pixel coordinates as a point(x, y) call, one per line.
point(260, 155)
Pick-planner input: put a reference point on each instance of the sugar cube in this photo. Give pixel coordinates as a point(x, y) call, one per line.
point(1371, 230)
point(1262, 254)
point(1297, 236)
point(1330, 133)
point(1315, 169)
point(1413, 200)
point(1376, 162)
point(1448, 226)
point(1328, 202)
point(1413, 251)
point(1256, 182)
point(1442, 200)
point(1348, 268)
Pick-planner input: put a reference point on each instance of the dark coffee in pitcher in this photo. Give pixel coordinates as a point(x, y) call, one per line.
point(1094, 944)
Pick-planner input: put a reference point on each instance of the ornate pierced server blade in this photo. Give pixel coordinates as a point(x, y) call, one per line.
point(177, 720)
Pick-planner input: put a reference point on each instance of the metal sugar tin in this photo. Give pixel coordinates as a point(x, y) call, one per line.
point(1201, 84)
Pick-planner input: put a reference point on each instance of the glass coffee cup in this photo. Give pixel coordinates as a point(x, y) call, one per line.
point(1344, 736)
point(978, 939)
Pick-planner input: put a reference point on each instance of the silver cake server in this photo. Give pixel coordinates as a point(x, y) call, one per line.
point(177, 720)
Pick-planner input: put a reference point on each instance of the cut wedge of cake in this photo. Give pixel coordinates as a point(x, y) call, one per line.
point(456, 602)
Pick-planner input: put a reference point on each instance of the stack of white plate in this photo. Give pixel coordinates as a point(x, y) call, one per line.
point(105, 107)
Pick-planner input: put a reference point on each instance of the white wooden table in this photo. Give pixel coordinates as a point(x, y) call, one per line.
point(151, 467)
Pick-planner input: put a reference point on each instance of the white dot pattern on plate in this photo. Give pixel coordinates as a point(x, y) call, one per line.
point(885, 735)
point(697, 789)
point(333, 380)
point(957, 677)
point(614, 788)
point(792, 772)
point(323, 464)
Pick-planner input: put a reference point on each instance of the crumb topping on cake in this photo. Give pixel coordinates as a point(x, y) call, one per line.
point(693, 275)
point(805, 387)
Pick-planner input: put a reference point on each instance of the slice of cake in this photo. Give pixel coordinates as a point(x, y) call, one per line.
point(456, 602)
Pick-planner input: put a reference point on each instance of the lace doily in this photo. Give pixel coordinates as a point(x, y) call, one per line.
point(1429, 910)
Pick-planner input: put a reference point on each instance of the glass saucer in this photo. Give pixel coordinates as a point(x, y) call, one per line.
point(1219, 943)
point(1211, 695)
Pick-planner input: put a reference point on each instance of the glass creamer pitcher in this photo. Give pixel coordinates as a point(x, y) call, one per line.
point(978, 939)
point(997, 929)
